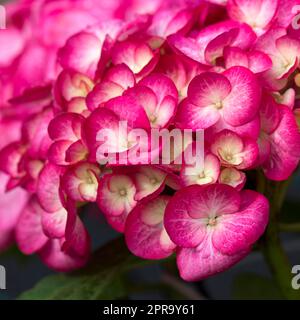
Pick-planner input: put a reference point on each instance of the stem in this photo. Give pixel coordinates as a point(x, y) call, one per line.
point(289, 227)
point(272, 248)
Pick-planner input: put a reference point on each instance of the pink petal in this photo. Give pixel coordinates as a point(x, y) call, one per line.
point(242, 104)
point(258, 14)
point(144, 232)
point(158, 96)
point(237, 232)
point(48, 188)
point(11, 205)
point(148, 181)
point(100, 119)
point(259, 62)
point(289, 49)
point(285, 12)
point(10, 158)
point(235, 57)
point(233, 177)
point(208, 175)
point(161, 85)
point(70, 85)
point(57, 152)
point(233, 150)
point(66, 126)
point(216, 47)
point(81, 53)
point(190, 116)
point(189, 211)
point(80, 182)
point(128, 109)
point(269, 114)
point(54, 224)
point(135, 55)
point(196, 265)
point(35, 130)
point(209, 89)
point(285, 147)
point(250, 129)
point(29, 233)
point(58, 23)
point(186, 46)
point(116, 81)
point(169, 21)
point(77, 240)
point(76, 152)
point(205, 95)
point(11, 43)
point(53, 256)
point(116, 195)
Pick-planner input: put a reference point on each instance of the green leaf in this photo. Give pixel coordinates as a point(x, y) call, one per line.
point(101, 279)
point(249, 286)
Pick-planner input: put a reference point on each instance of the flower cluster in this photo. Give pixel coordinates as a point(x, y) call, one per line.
point(74, 68)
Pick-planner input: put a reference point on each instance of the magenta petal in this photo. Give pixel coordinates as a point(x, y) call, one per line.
point(195, 265)
point(10, 157)
point(116, 195)
point(57, 152)
point(285, 147)
point(234, 56)
point(250, 129)
point(269, 114)
point(144, 232)
point(258, 14)
point(116, 81)
point(78, 241)
point(256, 61)
point(208, 89)
point(128, 109)
point(216, 47)
point(158, 96)
point(206, 94)
point(190, 116)
point(29, 233)
point(149, 181)
point(170, 21)
point(242, 104)
point(187, 46)
point(100, 119)
point(259, 62)
point(233, 150)
point(117, 222)
point(135, 55)
point(81, 53)
point(54, 224)
point(53, 256)
point(188, 212)
point(66, 126)
point(48, 188)
point(237, 232)
point(11, 43)
point(12, 204)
